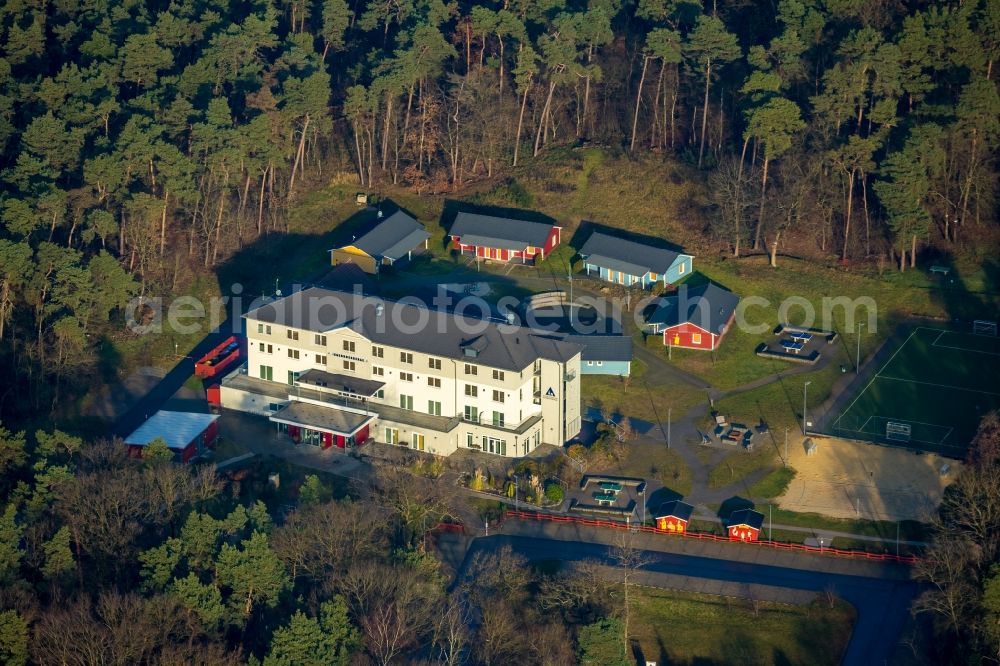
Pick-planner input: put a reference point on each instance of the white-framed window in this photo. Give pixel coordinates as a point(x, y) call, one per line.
point(293, 353)
point(349, 365)
point(293, 335)
point(497, 396)
point(471, 369)
point(470, 440)
point(264, 328)
point(434, 382)
point(266, 348)
point(406, 376)
point(378, 352)
point(498, 375)
point(267, 372)
point(600, 363)
point(434, 407)
point(590, 363)
point(472, 390)
point(320, 340)
point(320, 359)
point(696, 338)
point(406, 402)
point(417, 441)
point(406, 357)
point(471, 414)
point(498, 419)
point(348, 345)
point(681, 269)
point(378, 371)
point(434, 363)
point(391, 436)
point(380, 394)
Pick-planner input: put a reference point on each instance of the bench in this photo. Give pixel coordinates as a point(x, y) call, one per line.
point(801, 337)
point(943, 270)
point(791, 345)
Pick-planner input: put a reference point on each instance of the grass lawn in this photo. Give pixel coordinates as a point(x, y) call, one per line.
point(938, 383)
point(656, 461)
point(737, 465)
point(687, 628)
point(774, 484)
point(735, 364)
point(636, 398)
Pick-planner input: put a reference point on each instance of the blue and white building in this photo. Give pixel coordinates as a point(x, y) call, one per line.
point(629, 263)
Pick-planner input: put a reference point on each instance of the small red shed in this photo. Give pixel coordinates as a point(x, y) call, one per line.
point(673, 517)
point(185, 433)
point(744, 525)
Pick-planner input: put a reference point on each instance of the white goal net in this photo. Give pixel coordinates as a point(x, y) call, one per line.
point(897, 432)
point(984, 327)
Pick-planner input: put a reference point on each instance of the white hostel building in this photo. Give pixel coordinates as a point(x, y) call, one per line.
point(332, 368)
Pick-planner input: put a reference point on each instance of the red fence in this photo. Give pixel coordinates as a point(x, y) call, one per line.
point(704, 536)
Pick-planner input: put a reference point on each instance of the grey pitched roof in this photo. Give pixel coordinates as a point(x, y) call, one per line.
point(393, 237)
point(708, 307)
point(749, 517)
point(676, 509)
point(338, 382)
point(321, 417)
point(499, 232)
point(603, 347)
point(628, 256)
point(416, 328)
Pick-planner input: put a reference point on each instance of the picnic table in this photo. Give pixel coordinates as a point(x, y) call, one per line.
point(943, 270)
point(801, 337)
point(605, 498)
point(610, 487)
point(791, 345)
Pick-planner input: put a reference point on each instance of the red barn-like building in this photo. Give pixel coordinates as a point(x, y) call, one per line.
point(185, 433)
point(504, 239)
point(744, 525)
point(673, 517)
point(695, 317)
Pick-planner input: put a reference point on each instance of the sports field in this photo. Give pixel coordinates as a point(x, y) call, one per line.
point(929, 395)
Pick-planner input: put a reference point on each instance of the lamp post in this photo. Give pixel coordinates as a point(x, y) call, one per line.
point(784, 462)
point(515, 492)
point(669, 417)
point(857, 364)
point(805, 393)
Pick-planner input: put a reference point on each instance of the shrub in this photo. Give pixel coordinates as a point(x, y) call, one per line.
point(554, 493)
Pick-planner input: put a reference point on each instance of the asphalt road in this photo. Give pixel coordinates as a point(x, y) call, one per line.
point(882, 605)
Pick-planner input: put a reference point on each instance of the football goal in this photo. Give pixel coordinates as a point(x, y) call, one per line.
point(984, 327)
point(897, 432)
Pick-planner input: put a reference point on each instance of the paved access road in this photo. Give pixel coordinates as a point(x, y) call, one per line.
point(882, 604)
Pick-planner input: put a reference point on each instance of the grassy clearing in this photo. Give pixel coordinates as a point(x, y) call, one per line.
point(637, 399)
point(774, 484)
point(735, 364)
point(687, 628)
point(655, 461)
point(738, 465)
